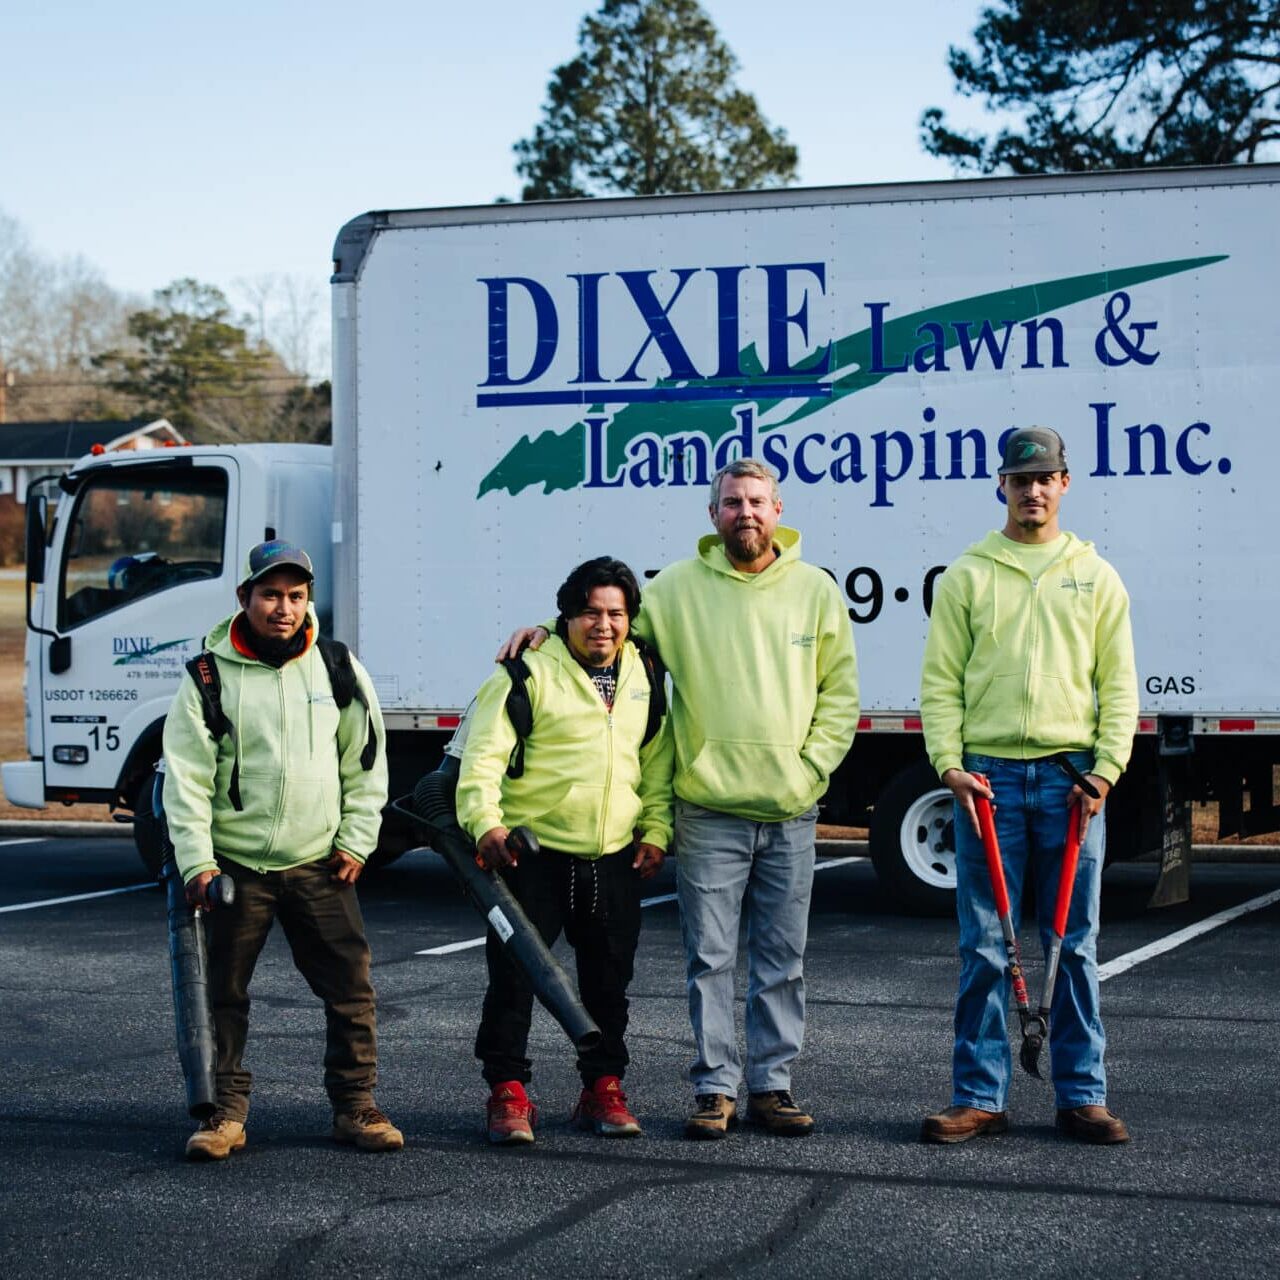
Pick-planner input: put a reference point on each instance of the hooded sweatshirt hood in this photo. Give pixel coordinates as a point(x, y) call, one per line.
point(786, 542)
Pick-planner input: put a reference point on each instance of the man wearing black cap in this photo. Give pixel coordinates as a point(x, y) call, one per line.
point(1029, 657)
point(288, 799)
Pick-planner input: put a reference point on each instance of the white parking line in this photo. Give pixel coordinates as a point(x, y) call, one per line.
point(1122, 964)
point(449, 948)
point(23, 840)
point(78, 897)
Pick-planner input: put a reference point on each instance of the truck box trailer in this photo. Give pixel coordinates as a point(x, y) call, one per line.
point(520, 387)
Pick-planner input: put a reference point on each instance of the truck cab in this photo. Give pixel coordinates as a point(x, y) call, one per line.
point(131, 559)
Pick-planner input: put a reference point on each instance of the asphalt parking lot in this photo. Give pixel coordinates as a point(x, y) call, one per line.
point(92, 1122)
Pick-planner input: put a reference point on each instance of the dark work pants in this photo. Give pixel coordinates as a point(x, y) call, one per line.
point(597, 904)
point(325, 931)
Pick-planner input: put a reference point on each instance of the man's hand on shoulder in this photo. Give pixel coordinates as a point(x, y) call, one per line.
point(648, 860)
point(520, 640)
point(343, 868)
point(492, 852)
point(1090, 806)
point(966, 788)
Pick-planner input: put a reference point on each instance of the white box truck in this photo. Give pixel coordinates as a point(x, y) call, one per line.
point(520, 387)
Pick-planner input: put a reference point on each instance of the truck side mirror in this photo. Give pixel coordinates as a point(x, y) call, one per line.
point(59, 655)
point(37, 515)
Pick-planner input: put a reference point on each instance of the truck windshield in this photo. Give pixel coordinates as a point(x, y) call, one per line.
point(136, 531)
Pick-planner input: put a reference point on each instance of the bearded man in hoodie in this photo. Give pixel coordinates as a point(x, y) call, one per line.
point(1029, 656)
point(289, 803)
point(764, 708)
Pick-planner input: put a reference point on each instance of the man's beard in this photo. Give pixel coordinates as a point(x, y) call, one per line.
point(746, 544)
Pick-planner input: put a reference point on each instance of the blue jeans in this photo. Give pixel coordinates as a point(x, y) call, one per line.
point(1031, 823)
point(722, 861)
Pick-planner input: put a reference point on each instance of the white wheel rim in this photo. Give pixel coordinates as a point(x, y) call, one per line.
point(927, 838)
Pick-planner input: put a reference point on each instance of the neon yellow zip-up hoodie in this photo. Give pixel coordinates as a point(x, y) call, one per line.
point(302, 786)
point(587, 783)
point(765, 700)
point(1019, 668)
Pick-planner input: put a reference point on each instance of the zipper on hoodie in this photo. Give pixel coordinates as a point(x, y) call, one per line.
point(1031, 654)
point(608, 771)
point(284, 756)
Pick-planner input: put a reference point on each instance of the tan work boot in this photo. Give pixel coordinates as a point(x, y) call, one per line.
point(1092, 1124)
point(216, 1138)
point(714, 1114)
point(368, 1129)
point(775, 1112)
point(959, 1124)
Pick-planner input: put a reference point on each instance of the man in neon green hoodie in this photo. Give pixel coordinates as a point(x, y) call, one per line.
point(1029, 656)
point(288, 802)
point(586, 783)
point(764, 707)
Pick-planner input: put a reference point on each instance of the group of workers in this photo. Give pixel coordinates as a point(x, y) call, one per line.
point(1029, 657)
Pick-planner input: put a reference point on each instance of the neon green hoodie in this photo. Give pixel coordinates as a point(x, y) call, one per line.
point(302, 786)
point(1019, 668)
point(765, 700)
point(587, 782)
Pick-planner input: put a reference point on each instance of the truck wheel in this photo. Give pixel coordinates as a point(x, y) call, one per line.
point(913, 841)
point(147, 834)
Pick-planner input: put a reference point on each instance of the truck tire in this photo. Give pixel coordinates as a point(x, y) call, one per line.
point(147, 835)
point(913, 842)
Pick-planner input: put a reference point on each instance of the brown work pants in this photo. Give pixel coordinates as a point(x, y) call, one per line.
point(325, 931)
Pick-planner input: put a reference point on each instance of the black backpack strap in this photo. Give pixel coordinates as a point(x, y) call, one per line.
point(656, 674)
point(519, 712)
point(203, 669)
point(342, 680)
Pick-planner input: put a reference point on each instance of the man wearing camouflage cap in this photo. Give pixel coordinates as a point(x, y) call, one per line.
point(286, 796)
point(1029, 657)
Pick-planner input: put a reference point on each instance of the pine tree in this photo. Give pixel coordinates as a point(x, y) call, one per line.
point(649, 106)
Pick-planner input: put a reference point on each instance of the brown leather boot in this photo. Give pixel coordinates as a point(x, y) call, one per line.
point(775, 1112)
point(216, 1138)
point(959, 1124)
point(713, 1115)
point(367, 1129)
point(1092, 1124)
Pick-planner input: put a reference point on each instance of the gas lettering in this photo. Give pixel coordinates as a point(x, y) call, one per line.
point(1170, 684)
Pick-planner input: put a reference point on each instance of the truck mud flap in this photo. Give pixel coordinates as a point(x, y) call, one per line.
point(1174, 884)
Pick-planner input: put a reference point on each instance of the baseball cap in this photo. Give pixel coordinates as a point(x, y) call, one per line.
point(267, 557)
point(1036, 449)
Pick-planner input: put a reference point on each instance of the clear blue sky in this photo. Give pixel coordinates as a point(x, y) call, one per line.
point(227, 141)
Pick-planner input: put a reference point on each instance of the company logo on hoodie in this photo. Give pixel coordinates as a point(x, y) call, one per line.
point(1074, 584)
point(803, 641)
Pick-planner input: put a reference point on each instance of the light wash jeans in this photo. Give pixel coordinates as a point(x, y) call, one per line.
point(720, 861)
point(1031, 823)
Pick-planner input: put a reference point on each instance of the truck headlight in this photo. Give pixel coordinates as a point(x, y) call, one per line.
point(70, 755)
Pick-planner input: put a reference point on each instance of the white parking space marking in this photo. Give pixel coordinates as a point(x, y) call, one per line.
point(449, 948)
point(1122, 964)
point(78, 897)
point(23, 840)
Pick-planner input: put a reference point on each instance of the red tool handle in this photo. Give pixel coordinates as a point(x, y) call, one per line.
point(1067, 878)
point(991, 847)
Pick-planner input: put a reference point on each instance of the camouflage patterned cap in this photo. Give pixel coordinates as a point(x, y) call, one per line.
point(1033, 449)
point(267, 557)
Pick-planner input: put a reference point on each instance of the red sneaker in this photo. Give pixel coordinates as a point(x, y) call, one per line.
point(509, 1114)
point(603, 1109)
